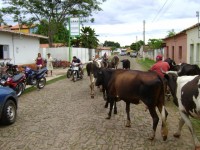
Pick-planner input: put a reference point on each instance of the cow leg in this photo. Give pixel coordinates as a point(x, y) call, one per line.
point(111, 101)
point(115, 107)
point(164, 129)
point(181, 123)
point(92, 85)
point(128, 122)
point(155, 118)
point(106, 105)
point(185, 117)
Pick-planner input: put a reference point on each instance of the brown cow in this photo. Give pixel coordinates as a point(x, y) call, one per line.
point(114, 62)
point(131, 86)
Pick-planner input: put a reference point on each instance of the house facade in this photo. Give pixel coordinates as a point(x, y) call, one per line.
point(176, 47)
point(184, 46)
point(193, 45)
point(21, 48)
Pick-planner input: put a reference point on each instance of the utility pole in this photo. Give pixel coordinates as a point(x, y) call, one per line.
point(197, 15)
point(144, 31)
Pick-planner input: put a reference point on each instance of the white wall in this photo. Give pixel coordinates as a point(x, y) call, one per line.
point(22, 49)
point(62, 53)
point(192, 38)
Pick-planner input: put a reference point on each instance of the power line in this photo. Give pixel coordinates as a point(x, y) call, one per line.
point(160, 10)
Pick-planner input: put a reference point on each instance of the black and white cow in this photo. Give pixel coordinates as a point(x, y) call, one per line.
point(188, 69)
point(186, 96)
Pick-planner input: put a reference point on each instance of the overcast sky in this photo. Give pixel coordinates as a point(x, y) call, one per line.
point(122, 20)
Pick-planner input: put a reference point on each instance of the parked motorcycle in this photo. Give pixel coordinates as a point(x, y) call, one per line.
point(16, 82)
point(69, 71)
point(76, 72)
point(35, 77)
point(12, 69)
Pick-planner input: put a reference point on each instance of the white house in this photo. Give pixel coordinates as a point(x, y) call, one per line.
point(21, 48)
point(193, 44)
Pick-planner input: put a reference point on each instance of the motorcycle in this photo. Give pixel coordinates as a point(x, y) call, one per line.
point(16, 82)
point(69, 71)
point(35, 77)
point(12, 69)
point(76, 72)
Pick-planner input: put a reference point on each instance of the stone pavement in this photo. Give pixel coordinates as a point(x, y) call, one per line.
point(62, 116)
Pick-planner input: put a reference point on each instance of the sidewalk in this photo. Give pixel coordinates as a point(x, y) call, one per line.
point(57, 72)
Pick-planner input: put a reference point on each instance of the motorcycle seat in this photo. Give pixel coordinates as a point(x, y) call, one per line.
point(18, 77)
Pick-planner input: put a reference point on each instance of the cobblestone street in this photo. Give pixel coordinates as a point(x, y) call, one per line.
point(62, 116)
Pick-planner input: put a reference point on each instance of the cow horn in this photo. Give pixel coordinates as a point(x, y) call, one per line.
point(162, 71)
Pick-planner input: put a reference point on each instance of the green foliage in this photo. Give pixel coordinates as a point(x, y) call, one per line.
point(111, 44)
point(146, 63)
point(88, 38)
point(171, 33)
point(55, 12)
point(136, 46)
point(155, 43)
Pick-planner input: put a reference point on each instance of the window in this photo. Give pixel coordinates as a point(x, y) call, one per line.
point(4, 51)
point(180, 52)
point(173, 52)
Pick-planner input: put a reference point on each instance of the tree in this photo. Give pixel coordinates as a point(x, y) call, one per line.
point(136, 46)
point(88, 38)
point(155, 43)
point(55, 12)
point(111, 44)
point(171, 33)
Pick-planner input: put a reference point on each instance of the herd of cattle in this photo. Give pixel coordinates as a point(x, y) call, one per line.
point(133, 86)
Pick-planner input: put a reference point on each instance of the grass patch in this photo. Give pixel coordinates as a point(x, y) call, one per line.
point(32, 88)
point(145, 63)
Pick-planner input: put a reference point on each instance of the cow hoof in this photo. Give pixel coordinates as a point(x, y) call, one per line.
point(176, 135)
point(115, 112)
point(128, 124)
point(164, 138)
point(108, 117)
point(92, 96)
point(151, 138)
point(106, 106)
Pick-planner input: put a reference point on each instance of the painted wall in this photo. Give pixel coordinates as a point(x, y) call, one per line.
point(22, 49)
point(193, 46)
point(177, 42)
point(62, 53)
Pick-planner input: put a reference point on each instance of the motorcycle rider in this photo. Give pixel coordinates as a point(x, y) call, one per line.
point(77, 60)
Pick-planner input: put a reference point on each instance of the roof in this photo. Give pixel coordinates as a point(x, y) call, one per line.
point(183, 31)
point(21, 27)
point(25, 34)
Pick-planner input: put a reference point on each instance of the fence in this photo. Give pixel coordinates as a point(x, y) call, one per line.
point(62, 53)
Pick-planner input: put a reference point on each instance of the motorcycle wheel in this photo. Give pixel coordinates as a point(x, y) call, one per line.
point(9, 113)
point(69, 73)
point(80, 75)
point(75, 76)
point(19, 89)
point(41, 83)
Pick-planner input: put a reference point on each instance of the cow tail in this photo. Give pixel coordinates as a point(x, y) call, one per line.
point(161, 105)
point(89, 68)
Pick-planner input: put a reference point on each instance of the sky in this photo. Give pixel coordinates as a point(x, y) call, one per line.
point(122, 20)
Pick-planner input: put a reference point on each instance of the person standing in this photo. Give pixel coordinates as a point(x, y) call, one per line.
point(49, 64)
point(39, 61)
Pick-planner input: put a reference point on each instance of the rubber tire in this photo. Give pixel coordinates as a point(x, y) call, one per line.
point(69, 74)
point(19, 89)
point(75, 76)
point(6, 118)
point(41, 83)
